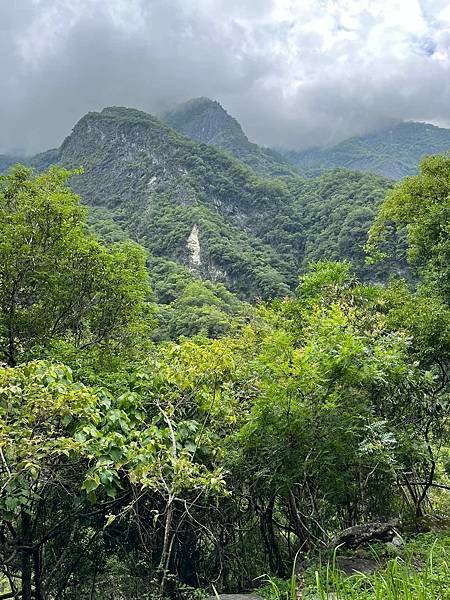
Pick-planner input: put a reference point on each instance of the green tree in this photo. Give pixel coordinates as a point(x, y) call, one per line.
point(421, 205)
point(74, 460)
point(203, 308)
point(57, 281)
point(332, 429)
point(40, 409)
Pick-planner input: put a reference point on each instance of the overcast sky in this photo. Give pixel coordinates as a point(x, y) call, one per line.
point(294, 72)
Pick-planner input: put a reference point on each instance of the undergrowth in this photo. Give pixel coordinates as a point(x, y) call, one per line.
point(421, 571)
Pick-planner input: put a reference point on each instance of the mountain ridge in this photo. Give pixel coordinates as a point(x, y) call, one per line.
point(155, 179)
point(205, 120)
point(144, 180)
point(393, 152)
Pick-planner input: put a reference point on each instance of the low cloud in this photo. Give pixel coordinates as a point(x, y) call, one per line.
point(295, 74)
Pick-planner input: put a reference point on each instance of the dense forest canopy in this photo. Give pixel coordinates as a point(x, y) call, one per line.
point(153, 442)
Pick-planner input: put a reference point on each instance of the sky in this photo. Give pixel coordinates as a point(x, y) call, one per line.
point(295, 73)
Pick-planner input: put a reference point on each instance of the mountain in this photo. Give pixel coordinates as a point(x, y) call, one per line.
point(206, 121)
point(394, 152)
point(205, 216)
point(184, 201)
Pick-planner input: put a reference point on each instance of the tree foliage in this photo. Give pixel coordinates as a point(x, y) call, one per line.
point(139, 469)
point(56, 280)
point(421, 206)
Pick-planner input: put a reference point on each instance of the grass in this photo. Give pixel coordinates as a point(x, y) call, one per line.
point(422, 572)
point(399, 580)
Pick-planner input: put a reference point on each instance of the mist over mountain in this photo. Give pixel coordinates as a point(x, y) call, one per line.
point(207, 121)
point(7, 161)
point(295, 74)
point(394, 152)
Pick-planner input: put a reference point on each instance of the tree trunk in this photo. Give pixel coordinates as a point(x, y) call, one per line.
point(165, 555)
point(430, 478)
point(297, 523)
point(269, 537)
point(38, 588)
point(25, 542)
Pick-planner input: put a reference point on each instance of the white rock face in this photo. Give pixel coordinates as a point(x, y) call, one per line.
point(193, 245)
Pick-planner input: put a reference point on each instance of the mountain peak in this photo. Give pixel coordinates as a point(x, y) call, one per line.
point(198, 103)
point(205, 120)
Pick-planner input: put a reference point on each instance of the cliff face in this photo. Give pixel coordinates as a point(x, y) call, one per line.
point(207, 121)
point(168, 192)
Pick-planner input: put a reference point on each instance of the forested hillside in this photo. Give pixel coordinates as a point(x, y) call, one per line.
point(194, 205)
point(213, 227)
point(211, 224)
point(313, 434)
point(394, 152)
point(205, 215)
point(162, 187)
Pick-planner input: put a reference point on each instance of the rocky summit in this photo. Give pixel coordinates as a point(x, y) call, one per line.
point(206, 121)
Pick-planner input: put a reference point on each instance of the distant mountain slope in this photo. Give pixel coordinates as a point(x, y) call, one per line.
point(394, 152)
point(206, 121)
point(203, 214)
point(185, 201)
point(337, 209)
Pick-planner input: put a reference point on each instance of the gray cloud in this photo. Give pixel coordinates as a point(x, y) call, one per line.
point(294, 73)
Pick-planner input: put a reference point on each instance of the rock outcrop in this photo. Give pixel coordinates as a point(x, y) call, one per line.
point(359, 535)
